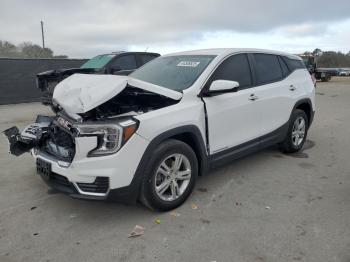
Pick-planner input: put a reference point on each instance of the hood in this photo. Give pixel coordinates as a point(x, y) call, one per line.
point(80, 93)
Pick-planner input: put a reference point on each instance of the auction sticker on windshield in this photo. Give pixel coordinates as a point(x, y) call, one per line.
point(188, 63)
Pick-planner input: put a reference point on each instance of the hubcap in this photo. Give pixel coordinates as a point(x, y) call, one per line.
point(298, 131)
point(172, 177)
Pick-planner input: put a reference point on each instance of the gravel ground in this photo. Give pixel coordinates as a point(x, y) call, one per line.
point(265, 207)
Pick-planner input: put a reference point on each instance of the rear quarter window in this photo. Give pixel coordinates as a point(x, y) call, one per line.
point(293, 64)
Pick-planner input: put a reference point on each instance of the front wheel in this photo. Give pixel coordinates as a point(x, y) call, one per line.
point(171, 176)
point(297, 132)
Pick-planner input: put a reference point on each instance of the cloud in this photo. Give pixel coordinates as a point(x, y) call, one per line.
point(304, 30)
point(84, 28)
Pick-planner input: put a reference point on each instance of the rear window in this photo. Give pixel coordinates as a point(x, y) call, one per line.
point(267, 68)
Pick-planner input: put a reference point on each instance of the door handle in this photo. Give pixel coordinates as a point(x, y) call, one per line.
point(292, 88)
point(253, 97)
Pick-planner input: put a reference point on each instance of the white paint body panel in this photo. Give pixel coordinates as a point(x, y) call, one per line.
point(233, 119)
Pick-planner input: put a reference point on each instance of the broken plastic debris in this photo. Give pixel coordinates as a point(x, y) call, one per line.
point(157, 221)
point(174, 214)
point(194, 206)
point(137, 231)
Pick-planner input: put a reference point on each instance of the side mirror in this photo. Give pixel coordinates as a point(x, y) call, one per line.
point(223, 86)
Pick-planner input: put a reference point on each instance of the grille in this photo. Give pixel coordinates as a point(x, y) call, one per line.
point(100, 185)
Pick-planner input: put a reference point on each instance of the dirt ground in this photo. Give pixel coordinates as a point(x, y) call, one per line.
point(265, 207)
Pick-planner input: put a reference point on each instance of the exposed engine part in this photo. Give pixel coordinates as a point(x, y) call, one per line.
point(60, 144)
point(130, 102)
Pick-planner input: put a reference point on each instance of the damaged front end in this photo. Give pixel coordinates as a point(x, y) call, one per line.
point(75, 150)
point(86, 110)
point(44, 135)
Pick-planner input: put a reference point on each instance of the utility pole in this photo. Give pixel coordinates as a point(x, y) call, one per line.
point(42, 33)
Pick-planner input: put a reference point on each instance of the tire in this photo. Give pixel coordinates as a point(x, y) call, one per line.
point(296, 137)
point(155, 177)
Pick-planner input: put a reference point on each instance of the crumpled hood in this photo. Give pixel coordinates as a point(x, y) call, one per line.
point(80, 93)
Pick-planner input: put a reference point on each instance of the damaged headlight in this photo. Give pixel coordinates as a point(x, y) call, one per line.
point(111, 136)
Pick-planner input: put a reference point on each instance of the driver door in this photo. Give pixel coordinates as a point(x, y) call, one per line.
point(235, 117)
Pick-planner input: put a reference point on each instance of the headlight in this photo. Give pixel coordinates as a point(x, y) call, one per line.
point(111, 136)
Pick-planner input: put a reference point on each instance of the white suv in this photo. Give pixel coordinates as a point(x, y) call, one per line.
point(147, 136)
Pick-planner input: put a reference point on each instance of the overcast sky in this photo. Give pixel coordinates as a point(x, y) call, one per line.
point(80, 28)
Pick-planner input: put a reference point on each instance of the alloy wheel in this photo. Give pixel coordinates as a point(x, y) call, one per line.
point(173, 177)
point(298, 131)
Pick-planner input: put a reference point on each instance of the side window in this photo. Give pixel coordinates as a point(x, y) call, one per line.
point(294, 64)
point(285, 70)
point(146, 58)
point(126, 62)
point(267, 68)
point(234, 68)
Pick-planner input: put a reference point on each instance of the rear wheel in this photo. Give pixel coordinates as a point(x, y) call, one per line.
point(171, 176)
point(297, 132)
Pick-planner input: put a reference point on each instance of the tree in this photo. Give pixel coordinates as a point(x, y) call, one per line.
point(8, 50)
point(30, 50)
point(26, 50)
point(317, 52)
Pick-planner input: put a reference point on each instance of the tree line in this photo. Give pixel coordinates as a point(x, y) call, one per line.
point(330, 59)
point(26, 50)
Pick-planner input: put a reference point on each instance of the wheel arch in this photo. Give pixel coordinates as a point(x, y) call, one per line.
point(305, 105)
point(189, 134)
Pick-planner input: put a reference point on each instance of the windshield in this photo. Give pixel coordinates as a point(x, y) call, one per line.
point(173, 72)
point(98, 61)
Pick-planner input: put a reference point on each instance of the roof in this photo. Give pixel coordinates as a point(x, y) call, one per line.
point(228, 51)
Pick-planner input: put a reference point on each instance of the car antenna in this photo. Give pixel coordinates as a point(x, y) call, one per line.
point(146, 48)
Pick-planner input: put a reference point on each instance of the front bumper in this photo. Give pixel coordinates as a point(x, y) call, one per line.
point(96, 178)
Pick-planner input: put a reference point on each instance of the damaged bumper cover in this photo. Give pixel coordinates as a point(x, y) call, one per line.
point(63, 161)
point(30, 137)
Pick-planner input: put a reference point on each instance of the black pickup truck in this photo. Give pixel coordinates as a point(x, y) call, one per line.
point(120, 63)
point(310, 62)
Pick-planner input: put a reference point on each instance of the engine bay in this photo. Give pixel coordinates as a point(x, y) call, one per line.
point(131, 101)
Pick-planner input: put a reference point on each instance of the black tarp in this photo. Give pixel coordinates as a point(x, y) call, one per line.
point(17, 77)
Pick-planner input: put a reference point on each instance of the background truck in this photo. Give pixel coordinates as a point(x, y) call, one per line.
point(120, 63)
point(310, 62)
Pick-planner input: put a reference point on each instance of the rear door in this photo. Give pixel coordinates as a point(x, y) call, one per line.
point(273, 87)
point(233, 118)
